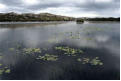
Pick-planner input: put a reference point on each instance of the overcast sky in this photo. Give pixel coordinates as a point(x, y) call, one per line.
point(75, 8)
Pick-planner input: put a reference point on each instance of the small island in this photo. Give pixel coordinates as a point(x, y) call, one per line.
point(79, 20)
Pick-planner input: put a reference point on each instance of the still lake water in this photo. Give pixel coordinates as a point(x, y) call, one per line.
point(99, 40)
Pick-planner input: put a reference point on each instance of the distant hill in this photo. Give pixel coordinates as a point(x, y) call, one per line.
point(25, 17)
point(33, 17)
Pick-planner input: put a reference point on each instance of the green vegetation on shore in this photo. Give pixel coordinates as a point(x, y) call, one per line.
point(103, 19)
point(80, 20)
point(26, 17)
point(14, 17)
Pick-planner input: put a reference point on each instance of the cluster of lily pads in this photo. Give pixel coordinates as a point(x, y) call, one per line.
point(26, 50)
point(4, 69)
point(94, 61)
point(64, 49)
point(11, 49)
point(48, 57)
point(31, 50)
point(69, 51)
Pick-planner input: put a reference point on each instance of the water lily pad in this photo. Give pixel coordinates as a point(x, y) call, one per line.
point(96, 61)
point(48, 57)
point(31, 50)
point(69, 51)
point(11, 49)
point(1, 64)
point(4, 70)
point(86, 60)
point(7, 71)
point(1, 71)
point(79, 60)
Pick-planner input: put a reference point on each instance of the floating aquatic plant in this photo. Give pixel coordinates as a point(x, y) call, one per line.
point(85, 60)
point(1, 56)
point(7, 71)
point(69, 51)
point(79, 60)
point(31, 50)
point(4, 70)
point(48, 57)
point(1, 71)
point(94, 61)
point(11, 49)
point(17, 51)
point(1, 64)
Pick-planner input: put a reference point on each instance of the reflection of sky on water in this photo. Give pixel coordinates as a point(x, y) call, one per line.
point(3, 33)
point(35, 36)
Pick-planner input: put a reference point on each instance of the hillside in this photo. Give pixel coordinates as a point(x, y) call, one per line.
point(33, 17)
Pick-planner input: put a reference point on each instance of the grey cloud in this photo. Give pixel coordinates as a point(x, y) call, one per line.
point(93, 6)
point(104, 9)
point(43, 6)
point(11, 2)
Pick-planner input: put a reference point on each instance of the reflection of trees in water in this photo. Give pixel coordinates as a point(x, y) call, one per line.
point(29, 24)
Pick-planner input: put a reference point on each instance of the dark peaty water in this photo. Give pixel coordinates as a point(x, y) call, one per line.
point(95, 39)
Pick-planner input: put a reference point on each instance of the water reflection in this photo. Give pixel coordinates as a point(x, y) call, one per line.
point(94, 39)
